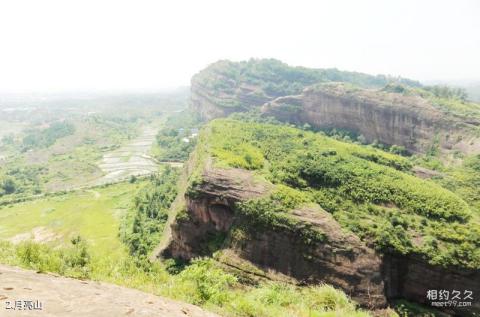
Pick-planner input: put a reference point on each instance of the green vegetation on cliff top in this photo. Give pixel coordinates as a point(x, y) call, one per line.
point(450, 100)
point(263, 79)
point(370, 192)
point(274, 78)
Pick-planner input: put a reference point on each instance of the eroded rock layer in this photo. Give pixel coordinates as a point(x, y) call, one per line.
point(341, 259)
point(390, 118)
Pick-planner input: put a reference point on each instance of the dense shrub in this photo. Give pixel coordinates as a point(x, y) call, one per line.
point(19, 179)
point(48, 136)
point(145, 225)
point(369, 191)
point(274, 78)
point(70, 261)
point(207, 283)
point(7, 186)
point(177, 138)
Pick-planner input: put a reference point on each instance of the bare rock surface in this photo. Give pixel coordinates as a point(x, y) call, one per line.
point(342, 260)
point(62, 297)
point(390, 118)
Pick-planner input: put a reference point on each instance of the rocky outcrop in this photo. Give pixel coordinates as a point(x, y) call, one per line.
point(390, 118)
point(211, 223)
point(410, 277)
point(209, 103)
point(342, 260)
point(210, 210)
point(404, 119)
point(221, 89)
point(226, 87)
point(57, 296)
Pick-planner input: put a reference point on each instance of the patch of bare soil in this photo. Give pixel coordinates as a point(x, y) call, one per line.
point(38, 234)
point(60, 297)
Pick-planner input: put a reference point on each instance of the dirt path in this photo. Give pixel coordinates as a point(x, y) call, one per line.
point(60, 296)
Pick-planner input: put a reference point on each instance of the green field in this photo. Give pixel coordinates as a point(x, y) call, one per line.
point(93, 214)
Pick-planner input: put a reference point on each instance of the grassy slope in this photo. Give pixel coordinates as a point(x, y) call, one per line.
point(93, 214)
point(368, 191)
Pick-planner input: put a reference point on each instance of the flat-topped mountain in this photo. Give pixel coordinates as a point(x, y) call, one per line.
point(405, 119)
point(226, 87)
point(392, 111)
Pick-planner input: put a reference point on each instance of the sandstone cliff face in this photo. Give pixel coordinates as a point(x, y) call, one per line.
point(390, 118)
point(341, 260)
point(221, 89)
point(411, 278)
point(210, 104)
point(225, 87)
point(211, 210)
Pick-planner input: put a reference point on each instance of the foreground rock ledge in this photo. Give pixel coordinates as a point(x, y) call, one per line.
point(62, 296)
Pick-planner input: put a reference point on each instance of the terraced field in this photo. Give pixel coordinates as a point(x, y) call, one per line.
point(130, 159)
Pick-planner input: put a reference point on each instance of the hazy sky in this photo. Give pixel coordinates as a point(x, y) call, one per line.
point(114, 44)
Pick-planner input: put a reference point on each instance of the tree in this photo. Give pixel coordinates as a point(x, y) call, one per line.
point(8, 139)
point(362, 139)
point(9, 186)
point(398, 149)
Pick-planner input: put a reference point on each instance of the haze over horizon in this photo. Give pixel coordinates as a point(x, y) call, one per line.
point(56, 45)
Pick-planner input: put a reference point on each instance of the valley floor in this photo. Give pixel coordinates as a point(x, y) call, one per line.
point(129, 160)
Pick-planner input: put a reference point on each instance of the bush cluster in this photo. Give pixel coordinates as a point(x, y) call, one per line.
point(371, 192)
point(145, 225)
